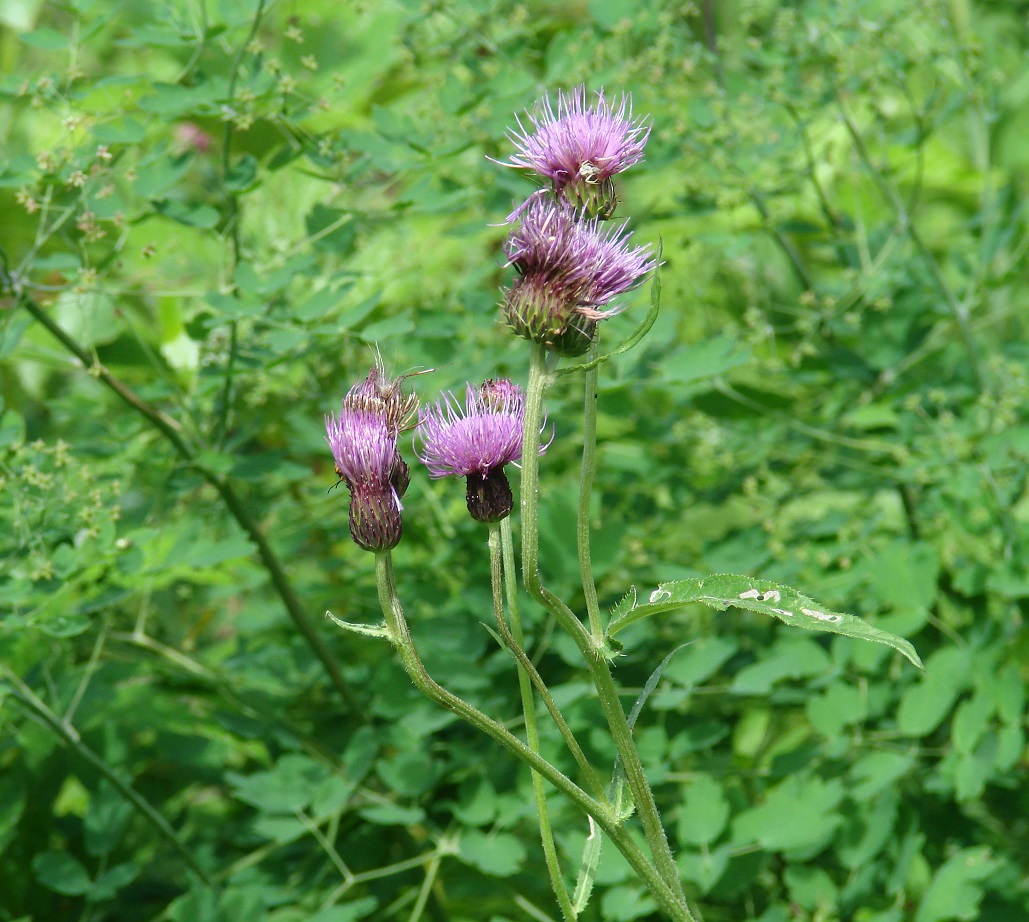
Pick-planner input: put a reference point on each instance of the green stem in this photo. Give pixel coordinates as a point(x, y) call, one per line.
point(514, 640)
point(532, 736)
point(589, 466)
point(604, 817)
point(172, 431)
point(595, 662)
point(25, 697)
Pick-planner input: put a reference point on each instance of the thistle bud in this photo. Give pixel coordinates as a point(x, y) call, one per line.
point(570, 272)
point(363, 439)
point(476, 442)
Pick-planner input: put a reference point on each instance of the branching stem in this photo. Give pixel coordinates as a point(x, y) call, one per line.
point(513, 637)
point(600, 673)
point(667, 896)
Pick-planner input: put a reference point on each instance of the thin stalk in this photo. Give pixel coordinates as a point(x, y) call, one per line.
point(958, 310)
point(604, 817)
point(800, 269)
point(514, 639)
point(172, 431)
point(595, 663)
point(532, 736)
point(589, 466)
point(232, 222)
point(28, 700)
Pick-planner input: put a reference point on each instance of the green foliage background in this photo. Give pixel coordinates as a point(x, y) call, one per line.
point(225, 206)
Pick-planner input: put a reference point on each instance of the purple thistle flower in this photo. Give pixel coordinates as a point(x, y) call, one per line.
point(570, 271)
point(581, 147)
point(476, 442)
point(363, 440)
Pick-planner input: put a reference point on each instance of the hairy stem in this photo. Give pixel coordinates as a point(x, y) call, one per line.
point(665, 894)
point(589, 466)
point(532, 736)
point(595, 663)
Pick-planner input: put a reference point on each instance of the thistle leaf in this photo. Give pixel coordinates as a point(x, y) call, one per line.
point(724, 590)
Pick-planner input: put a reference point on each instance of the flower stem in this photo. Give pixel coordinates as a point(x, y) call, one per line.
point(598, 668)
point(529, 709)
point(668, 896)
point(589, 466)
point(513, 638)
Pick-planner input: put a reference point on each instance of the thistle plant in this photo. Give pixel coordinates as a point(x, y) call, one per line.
point(580, 148)
point(476, 443)
point(571, 269)
point(363, 439)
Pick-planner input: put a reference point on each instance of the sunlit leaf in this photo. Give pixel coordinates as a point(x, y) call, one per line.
point(724, 591)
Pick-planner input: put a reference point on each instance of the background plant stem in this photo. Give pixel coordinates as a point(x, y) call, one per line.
point(172, 431)
point(25, 697)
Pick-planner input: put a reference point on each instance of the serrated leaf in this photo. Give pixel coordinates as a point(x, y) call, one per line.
point(758, 595)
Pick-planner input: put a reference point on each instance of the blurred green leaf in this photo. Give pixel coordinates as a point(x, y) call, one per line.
point(61, 872)
point(703, 813)
point(778, 825)
point(49, 39)
point(927, 702)
point(955, 892)
point(500, 853)
point(190, 214)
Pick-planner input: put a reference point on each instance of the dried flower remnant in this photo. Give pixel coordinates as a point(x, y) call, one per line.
point(363, 439)
point(570, 271)
point(581, 147)
point(476, 442)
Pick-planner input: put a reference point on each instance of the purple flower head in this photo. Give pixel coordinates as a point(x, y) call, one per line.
point(476, 442)
point(570, 271)
point(581, 147)
point(363, 440)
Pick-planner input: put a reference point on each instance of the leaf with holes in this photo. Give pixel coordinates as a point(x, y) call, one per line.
point(759, 595)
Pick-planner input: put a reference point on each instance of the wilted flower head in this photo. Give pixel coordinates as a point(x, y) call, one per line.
point(363, 439)
point(476, 442)
point(380, 395)
point(570, 271)
point(581, 147)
